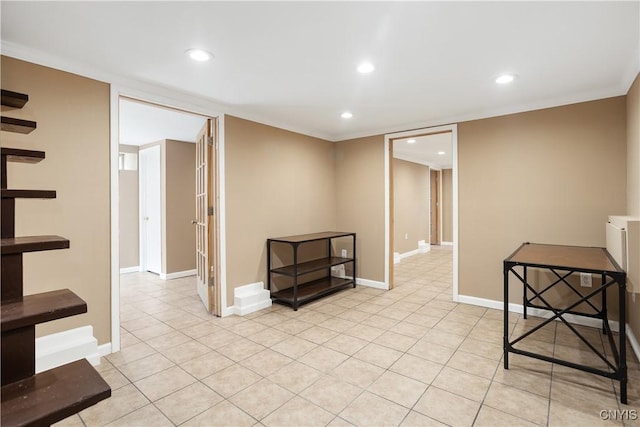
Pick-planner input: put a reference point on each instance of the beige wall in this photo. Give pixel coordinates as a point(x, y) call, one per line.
point(359, 189)
point(410, 204)
point(278, 183)
point(532, 177)
point(447, 205)
point(180, 185)
point(72, 114)
point(633, 182)
point(129, 217)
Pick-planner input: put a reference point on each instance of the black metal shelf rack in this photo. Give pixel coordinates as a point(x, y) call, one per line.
point(301, 292)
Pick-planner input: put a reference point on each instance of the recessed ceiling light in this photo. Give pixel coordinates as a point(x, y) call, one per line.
point(366, 67)
point(441, 153)
point(505, 78)
point(411, 141)
point(199, 55)
point(346, 115)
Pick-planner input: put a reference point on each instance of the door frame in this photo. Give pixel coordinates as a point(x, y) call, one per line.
point(388, 195)
point(172, 100)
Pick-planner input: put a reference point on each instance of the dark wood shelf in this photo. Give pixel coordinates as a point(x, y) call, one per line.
point(53, 395)
point(40, 308)
point(312, 290)
point(22, 156)
point(311, 266)
point(13, 99)
point(10, 124)
point(17, 245)
point(28, 194)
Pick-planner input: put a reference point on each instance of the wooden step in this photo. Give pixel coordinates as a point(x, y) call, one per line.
point(22, 156)
point(17, 245)
point(13, 99)
point(10, 124)
point(53, 395)
point(40, 308)
point(28, 194)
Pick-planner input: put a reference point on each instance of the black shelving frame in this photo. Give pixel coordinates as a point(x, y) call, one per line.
point(301, 293)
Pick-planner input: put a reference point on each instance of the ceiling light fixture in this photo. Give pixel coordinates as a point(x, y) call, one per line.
point(411, 141)
point(346, 115)
point(441, 153)
point(199, 55)
point(366, 67)
point(505, 78)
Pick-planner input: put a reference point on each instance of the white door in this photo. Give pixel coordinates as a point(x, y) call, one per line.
point(206, 219)
point(150, 210)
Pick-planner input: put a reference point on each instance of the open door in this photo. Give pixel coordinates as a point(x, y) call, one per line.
point(206, 218)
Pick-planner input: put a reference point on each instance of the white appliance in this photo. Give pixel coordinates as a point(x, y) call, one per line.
point(623, 243)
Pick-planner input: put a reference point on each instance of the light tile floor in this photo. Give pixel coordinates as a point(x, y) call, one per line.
point(363, 357)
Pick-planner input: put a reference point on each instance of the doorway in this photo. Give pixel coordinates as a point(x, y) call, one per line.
point(140, 123)
point(427, 147)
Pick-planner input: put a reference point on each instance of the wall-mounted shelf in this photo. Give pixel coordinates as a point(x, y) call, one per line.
point(14, 99)
point(10, 124)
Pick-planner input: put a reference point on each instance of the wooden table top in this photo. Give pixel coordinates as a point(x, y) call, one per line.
point(574, 257)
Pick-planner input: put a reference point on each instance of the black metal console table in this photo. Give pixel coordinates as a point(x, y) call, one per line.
point(299, 293)
point(563, 261)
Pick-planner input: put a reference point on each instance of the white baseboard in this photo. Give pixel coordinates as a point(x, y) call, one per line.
point(577, 320)
point(371, 283)
point(634, 342)
point(104, 350)
point(423, 247)
point(178, 274)
point(126, 270)
point(64, 347)
point(250, 298)
point(446, 243)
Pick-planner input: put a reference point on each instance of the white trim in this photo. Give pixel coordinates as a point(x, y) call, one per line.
point(453, 128)
point(178, 274)
point(372, 283)
point(517, 308)
point(250, 298)
point(446, 243)
point(634, 342)
point(454, 178)
point(127, 270)
point(489, 303)
point(104, 350)
point(387, 209)
point(114, 174)
point(68, 346)
point(222, 216)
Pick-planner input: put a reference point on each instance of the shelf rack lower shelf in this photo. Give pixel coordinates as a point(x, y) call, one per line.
point(312, 290)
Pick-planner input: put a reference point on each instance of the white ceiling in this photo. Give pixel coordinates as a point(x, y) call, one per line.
point(425, 150)
point(142, 123)
point(293, 64)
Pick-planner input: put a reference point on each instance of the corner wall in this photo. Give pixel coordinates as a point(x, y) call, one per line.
point(547, 176)
point(359, 188)
point(633, 183)
point(72, 115)
point(278, 183)
point(129, 213)
point(410, 204)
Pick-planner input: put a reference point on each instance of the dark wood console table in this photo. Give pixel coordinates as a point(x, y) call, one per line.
point(563, 261)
